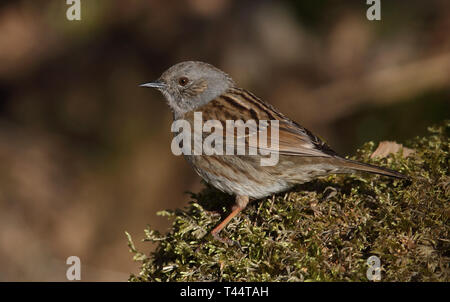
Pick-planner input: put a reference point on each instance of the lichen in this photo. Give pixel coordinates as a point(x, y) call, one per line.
point(324, 230)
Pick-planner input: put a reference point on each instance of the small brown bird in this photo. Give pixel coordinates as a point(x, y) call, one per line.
point(191, 87)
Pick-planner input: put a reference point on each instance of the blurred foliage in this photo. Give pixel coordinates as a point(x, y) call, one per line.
point(320, 231)
point(395, 122)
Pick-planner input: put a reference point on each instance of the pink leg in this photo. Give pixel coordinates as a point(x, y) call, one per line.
point(241, 203)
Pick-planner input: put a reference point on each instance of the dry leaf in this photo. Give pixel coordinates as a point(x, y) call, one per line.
point(386, 147)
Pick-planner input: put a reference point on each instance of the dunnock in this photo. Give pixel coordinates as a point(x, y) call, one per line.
point(200, 87)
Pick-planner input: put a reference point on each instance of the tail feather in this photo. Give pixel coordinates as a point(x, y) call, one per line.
point(358, 166)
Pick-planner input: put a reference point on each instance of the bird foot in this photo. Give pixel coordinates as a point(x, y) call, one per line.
point(226, 241)
point(213, 213)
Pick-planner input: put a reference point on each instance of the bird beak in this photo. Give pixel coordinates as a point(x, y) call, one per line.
point(158, 84)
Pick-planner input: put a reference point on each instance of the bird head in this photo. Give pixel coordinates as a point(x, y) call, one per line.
point(189, 85)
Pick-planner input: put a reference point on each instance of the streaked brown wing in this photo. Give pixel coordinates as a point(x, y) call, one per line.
point(295, 140)
point(238, 104)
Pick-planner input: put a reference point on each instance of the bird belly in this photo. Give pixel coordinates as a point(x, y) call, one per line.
point(237, 175)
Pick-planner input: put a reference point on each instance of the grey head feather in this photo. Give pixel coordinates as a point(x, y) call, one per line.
point(204, 83)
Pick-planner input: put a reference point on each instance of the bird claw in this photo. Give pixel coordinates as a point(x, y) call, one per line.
point(213, 213)
point(226, 241)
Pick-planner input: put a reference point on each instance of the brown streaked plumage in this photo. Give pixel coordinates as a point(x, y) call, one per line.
point(191, 87)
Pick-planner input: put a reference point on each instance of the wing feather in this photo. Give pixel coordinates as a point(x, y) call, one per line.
point(239, 104)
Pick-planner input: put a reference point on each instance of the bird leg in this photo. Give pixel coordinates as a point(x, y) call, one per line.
point(241, 203)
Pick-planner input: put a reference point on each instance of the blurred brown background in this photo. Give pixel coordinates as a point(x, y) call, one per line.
point(85, 152)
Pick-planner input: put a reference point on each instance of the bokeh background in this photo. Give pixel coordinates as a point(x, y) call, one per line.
point(85, 153)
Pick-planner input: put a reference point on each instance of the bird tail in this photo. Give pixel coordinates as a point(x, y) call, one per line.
point(358, 166)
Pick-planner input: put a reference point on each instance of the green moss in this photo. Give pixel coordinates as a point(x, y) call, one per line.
point(320, 231)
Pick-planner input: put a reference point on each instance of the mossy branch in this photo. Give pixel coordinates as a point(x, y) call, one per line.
point(322, 231)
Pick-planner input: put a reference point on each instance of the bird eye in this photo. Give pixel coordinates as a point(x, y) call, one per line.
point(183, 81)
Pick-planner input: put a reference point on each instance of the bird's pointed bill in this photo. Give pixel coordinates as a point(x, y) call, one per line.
point(156, 84)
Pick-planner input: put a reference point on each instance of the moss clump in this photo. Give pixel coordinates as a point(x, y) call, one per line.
point(322, 231)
